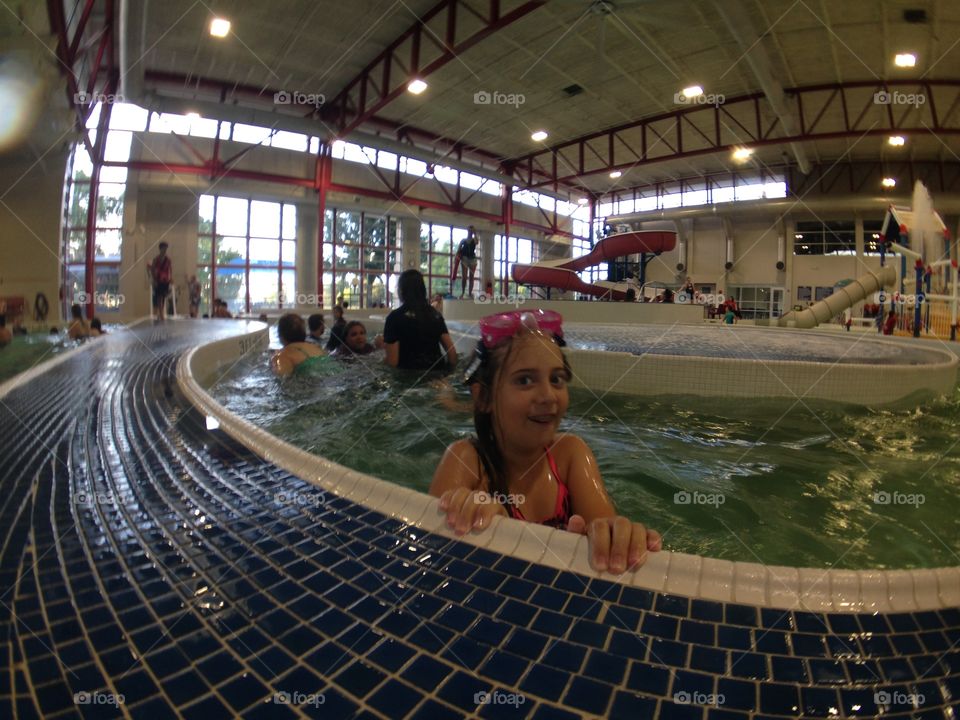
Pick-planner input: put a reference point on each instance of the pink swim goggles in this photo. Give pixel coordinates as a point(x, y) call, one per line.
point(496, 329)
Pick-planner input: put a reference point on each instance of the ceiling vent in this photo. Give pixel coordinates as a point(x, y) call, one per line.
point(573, 90)
point(915, 16)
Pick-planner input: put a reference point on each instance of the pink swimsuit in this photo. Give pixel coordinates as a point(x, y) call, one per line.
point(561, 514)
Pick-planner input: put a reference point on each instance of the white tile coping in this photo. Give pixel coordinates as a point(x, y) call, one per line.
point(811, 589)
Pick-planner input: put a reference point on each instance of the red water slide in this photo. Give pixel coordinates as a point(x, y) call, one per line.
point(562, 274)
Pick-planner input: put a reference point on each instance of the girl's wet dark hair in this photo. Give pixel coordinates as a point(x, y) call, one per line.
point(290, 329)
point(484, 371)
point(413, 291)
point(76, 312)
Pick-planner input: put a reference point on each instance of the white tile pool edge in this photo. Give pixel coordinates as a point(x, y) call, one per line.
point(812, 589)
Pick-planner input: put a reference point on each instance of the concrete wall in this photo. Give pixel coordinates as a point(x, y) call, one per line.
point(31, 207)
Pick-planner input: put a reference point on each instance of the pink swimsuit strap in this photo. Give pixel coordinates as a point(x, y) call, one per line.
point(561, 512)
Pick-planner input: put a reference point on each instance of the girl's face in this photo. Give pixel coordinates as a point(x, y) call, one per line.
point(357, 338)
point(531, 397)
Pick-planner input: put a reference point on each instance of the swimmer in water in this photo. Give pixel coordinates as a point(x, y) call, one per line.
point(296, 352)
point(354, 341)
point(519, 466)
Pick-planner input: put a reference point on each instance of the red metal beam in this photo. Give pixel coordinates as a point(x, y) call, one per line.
point(352, 100)
point(78, 35)
point(824, 114)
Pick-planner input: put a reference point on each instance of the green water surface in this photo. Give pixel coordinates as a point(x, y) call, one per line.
point(26, 351)
point(780, 483)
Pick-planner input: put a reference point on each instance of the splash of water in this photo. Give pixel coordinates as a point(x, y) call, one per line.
point(926, 236)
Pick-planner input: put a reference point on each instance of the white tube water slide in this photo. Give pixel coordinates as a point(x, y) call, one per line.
point(845, 297)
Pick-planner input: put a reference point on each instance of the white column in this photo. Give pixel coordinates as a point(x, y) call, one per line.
point(307, 290)
point(410, 243)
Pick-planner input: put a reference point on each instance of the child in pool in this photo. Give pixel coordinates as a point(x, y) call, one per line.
point(518, 466)
point(354, 341)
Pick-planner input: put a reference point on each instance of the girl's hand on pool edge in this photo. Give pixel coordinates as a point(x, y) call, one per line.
point(468, 510)
point(617, 544)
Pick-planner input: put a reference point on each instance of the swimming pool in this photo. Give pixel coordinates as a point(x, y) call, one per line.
point(27, 351)
point(778, 482)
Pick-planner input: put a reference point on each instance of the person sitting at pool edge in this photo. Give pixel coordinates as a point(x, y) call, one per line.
point(297, 353)
point(517, 465)
point(315, 328)
point(354, 341)
point(78, 329)
point(415, 332)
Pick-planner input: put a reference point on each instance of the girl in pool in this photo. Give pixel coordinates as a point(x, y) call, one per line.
point(354, 341)
point(518, 466)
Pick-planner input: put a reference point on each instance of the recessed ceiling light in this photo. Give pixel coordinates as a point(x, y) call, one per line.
point(905, 60)
point(539, 135)
point(896, 140)
point(582, 201)
point(219, 27)
point(741, 154)
point(615, 174)
point(416, 86)
point(888, 182)
point(692, 91)
point(798, 236)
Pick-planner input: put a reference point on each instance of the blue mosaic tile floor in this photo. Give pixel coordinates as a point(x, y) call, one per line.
point(150, 569)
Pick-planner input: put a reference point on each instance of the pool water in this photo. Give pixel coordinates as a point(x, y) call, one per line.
point(781, 483)
point(26, 351)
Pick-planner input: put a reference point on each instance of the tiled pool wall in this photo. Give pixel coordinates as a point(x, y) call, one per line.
point(837, 591)
point(858, 384)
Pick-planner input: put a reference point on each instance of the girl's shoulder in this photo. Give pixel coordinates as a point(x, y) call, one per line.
point(462, 449)
point(568, 444)
point(570, 451)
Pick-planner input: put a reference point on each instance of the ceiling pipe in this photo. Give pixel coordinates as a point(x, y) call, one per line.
point(739, 24)
point(133, 29)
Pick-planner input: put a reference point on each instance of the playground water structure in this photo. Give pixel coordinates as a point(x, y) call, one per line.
point(921, 240)
point(919, 235)
point(562, 274)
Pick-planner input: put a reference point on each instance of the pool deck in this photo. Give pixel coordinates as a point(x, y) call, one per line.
point(155, 566)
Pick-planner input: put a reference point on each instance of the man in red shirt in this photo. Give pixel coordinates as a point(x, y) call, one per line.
point(161, 274)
